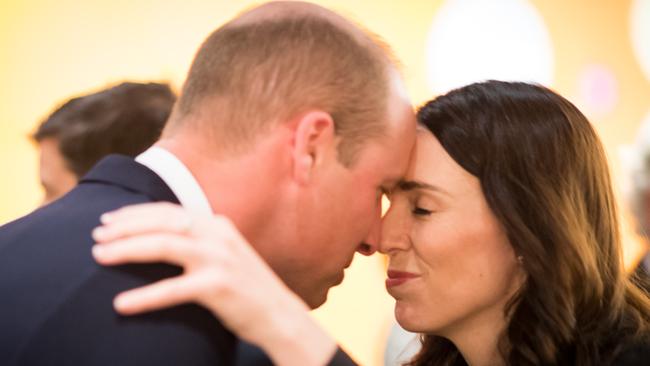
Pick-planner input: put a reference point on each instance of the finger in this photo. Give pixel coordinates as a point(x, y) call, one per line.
point(148, 248)
point(159, 295)
point(151, 219)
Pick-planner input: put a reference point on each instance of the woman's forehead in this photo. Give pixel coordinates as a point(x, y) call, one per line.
point(431, 164)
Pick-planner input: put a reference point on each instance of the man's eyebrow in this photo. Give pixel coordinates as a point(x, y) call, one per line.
point(409, 185)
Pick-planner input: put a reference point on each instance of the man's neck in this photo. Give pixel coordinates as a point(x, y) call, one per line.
point(242, 187)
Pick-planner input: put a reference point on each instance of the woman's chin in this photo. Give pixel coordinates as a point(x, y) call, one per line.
point(408, 318)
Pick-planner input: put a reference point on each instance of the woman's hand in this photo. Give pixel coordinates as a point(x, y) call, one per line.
point(222, 272)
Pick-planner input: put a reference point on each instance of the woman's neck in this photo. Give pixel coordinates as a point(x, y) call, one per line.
point(477, 339)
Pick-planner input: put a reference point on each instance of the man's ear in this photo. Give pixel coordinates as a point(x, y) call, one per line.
point(314, 135)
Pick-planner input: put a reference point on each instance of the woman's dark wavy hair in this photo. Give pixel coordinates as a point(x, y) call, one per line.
point(544, 174)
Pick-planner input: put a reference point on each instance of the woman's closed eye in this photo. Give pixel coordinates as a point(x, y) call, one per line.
point(419, 211)
point(422, 205)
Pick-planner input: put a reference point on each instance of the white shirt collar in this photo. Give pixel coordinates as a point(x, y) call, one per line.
point(179, 179)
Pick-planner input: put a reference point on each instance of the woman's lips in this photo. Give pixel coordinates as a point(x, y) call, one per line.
point(396, 278)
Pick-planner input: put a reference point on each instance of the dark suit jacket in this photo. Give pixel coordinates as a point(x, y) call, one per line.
point(250, 355)
point(56, 302)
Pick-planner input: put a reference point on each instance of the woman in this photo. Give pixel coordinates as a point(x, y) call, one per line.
point(503, 241)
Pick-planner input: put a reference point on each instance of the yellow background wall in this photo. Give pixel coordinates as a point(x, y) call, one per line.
point(53, 49)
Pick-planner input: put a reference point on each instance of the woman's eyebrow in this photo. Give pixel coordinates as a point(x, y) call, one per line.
point(409, 185)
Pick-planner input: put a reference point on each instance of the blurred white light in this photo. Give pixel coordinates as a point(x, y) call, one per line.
point(640, 33)
point(385, 204)
point(474, 40)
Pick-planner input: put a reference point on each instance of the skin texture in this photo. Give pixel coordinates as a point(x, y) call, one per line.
point(55, 176)
point(440, 229)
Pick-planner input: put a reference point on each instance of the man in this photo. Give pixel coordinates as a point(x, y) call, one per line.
point(124, 119)
point(291, 123)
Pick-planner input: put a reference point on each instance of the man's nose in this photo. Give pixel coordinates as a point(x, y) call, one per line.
point(371, 243)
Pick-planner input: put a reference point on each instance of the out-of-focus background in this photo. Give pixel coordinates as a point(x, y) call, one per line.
point(596, 53)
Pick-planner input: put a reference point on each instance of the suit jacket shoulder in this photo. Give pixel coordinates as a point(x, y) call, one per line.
point(56, 305)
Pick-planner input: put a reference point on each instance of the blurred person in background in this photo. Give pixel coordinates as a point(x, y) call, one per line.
point(125, 119)
point(503, 239)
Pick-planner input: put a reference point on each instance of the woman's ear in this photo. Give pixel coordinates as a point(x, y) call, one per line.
point(314, 137)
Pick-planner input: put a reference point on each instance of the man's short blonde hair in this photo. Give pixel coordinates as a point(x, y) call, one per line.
point(247, 77)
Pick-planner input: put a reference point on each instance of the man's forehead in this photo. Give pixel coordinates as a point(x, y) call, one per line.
point(398, 86)
point(399, 109)
point(390, 157)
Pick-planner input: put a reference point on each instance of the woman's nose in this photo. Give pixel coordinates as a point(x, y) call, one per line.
point(395, 230)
